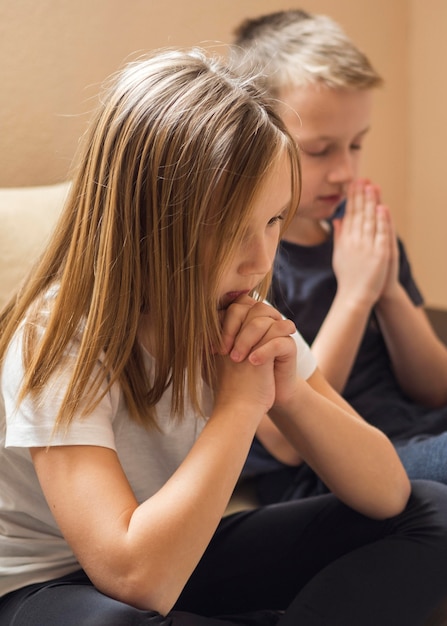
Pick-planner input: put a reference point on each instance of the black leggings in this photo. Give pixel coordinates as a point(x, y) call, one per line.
point(301, 563)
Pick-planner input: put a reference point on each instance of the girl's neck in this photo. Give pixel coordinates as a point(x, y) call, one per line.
point(306, 232)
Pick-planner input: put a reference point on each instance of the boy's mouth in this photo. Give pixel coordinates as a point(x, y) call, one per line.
point(332, 199)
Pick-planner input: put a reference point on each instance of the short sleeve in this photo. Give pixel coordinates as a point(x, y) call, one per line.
point(306, 362)
point(31, 423)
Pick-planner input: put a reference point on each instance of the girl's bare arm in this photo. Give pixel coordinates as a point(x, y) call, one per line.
point(144, 553)
point(355, 460)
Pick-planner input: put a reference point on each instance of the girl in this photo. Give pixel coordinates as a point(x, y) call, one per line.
point(137, 362)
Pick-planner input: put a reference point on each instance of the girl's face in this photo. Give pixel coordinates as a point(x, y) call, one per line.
point(329, 126)
point(254, 257)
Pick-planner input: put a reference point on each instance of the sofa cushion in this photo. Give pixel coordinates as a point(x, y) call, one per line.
point(27, 216)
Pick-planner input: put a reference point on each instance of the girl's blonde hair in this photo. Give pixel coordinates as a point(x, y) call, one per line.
point(295, 48)
point(168, 171)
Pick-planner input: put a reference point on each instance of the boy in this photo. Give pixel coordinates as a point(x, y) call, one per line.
point(341, 274)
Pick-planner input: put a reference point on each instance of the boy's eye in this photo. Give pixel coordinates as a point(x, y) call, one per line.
point(317, 153)
point(326, 151)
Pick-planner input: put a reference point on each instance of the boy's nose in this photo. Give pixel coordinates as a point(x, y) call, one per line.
point(343, 171)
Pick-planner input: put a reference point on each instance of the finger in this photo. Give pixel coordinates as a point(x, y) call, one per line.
point(350, 200)
point(369, 212)
point(232, 320)
point(258, 331)
point(378, 192)
point(337, 225)
point(250, 335)
point(385, 209)
point(239, 314)
point(279, 348)
point(387, 228)
point(383, 230)
point(357, 213)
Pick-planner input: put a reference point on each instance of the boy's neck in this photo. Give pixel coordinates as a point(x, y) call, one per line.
point(305, 232)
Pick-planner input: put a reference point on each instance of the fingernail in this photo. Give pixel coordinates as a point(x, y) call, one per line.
point(235, 355)
point(254, 360)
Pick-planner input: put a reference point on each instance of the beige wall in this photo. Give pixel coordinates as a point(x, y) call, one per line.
point(55, 54)
point(427, 199)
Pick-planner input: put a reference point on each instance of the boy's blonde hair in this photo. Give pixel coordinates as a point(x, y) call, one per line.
point(295, 48)
point(161, 198)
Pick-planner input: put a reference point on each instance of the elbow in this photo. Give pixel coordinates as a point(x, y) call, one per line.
point(142, 592)
point(389, 491)
point(432, 399)
point(432, 395)
point(399, 503)
point(290, 457)
point(438, 399)
point(395, 500)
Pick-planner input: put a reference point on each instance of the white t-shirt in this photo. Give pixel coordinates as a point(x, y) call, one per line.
point(32, 548)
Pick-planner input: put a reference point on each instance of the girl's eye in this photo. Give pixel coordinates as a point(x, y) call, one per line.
point(276, 219)
point(356, 146)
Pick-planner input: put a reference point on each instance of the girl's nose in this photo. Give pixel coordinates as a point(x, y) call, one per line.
point(257, 257)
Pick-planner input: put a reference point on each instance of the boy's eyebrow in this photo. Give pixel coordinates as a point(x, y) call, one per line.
point(329, 138)
point(364, 131)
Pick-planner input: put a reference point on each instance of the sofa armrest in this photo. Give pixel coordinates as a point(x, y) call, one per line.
point(27, 217)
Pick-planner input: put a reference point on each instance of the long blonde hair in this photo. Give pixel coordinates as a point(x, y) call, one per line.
point(174, 156)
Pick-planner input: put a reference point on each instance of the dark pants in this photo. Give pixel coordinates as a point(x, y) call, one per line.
point(302, 563)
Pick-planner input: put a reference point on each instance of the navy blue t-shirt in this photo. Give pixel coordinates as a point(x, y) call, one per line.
point(303, 289)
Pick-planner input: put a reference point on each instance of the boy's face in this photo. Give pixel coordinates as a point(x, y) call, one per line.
point(329, 126)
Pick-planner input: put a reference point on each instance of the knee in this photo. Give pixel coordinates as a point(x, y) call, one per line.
point(429, 493)
point(426, 512)
point(120, 614)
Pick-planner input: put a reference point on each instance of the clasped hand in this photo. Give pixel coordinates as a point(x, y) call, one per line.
point(365, 259)
point(256, 364)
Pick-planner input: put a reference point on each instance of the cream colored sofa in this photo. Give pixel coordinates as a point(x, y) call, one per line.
point(27, 216)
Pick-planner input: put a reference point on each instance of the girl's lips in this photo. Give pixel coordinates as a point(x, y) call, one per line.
point(233, 295)
point(230, 297)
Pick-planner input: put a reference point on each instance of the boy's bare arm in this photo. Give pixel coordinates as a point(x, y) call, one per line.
point(419, 358)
